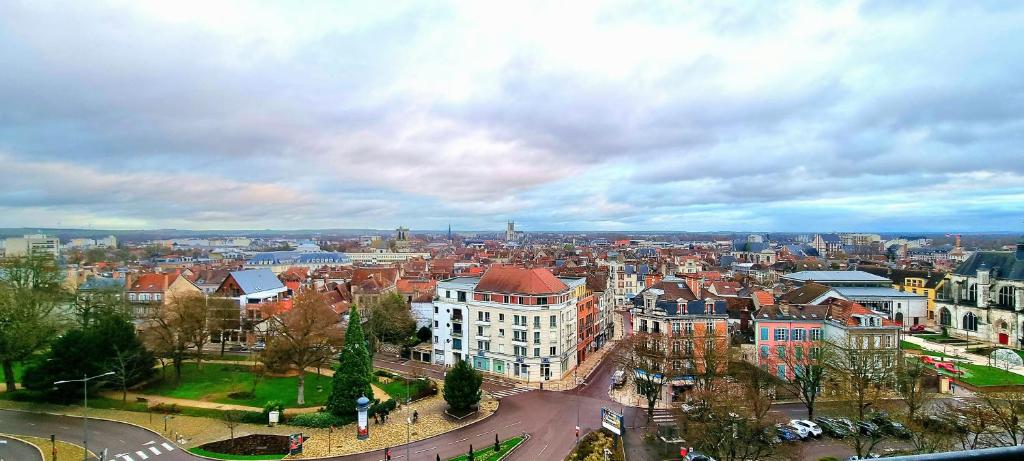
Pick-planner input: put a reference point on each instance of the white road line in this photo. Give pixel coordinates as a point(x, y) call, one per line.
point(167, 446)
point(484, 433)
point(127, 458)
point(149, 443)
point(542, 450)
point(154, 450)
point(142, 455)
point(513, 424)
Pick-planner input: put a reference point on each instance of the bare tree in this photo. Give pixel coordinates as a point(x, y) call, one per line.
point(173, 330)
point(129, 367)
point(1007, 414)
point(302, 337)
point(646, 360)
point(806, 362)
point(860, 375)
point(232, 419)
point(910, 375)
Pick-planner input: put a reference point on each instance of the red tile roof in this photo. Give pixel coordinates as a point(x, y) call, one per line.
point(153, 283)
point(764, 298)
point(510, 279)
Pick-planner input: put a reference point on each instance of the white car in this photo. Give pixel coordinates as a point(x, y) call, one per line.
point(800, 430)
point(811, 427)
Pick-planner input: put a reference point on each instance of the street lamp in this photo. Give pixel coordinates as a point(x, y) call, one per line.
point(85, 406)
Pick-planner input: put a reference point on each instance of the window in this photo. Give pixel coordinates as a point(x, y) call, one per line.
point(1006, 296)
point(436, 339)
point(553, 321)
point(643, 325)
point(888, 341)
point(815, 334)
point(536, 321)
point(780, 371)
point(798, 352)
point(542, 300)
point(799, 334)
point(780, 334)
point(536, 337)
point(518, 335)
point(520, 351)
point(972, 292)
point(485, 297)
point(970, 322)
point(553, 351)
point(447, 293)
point(710, 327)
point(435, 309)
point(764, 352)
point(676, 328)
point(815, 352)
point(457, 343)
point(462, 296)
point(483, 345)
point(501, 332)
point(675, 347)
point(780, 351)
point(536, 352)
point(945, 318)
point(479, 331)
point(505, 299)
point(657, 327)
point(688, 327)
point(764, 333)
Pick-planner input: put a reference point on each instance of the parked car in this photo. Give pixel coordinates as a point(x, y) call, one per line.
point(800, 430)
point(618, 378)
point(786, 434)
point(694, 455)
point(887, 425)
point(869, 428)
point(919, 328)
point(259, 346)
point(832, 428)
point(812, 428)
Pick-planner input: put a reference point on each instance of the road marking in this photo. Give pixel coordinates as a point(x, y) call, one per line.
point(154, 450)
point(142, 455)
point(542, 450)
point(457, 441)
point(167, 446)
point(425, 449)
point(122, 441)
point(513, 424)
point(484, 433)
point(127, 458)
point(149, 443)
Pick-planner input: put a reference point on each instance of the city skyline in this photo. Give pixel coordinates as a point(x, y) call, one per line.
point(789, 117)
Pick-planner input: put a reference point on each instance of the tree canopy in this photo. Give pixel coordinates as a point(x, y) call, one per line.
point(462, 386)
point(354, 372)
point(30, 291)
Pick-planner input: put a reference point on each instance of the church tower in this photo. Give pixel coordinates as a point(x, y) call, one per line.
point(510, 232)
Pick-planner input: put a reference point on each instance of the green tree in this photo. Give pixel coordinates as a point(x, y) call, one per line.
point(391, 320)
point(352, 377)
point(107, 344)
point(423, 334)
point(462, 386)
point(30, 291)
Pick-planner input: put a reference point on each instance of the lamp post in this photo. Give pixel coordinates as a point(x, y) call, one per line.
point(85, 407)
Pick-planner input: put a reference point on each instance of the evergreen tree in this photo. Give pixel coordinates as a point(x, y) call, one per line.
point(355, 367)
point(462, 386)
point(108, 343)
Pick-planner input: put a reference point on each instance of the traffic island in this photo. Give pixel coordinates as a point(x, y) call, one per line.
point(255, 446)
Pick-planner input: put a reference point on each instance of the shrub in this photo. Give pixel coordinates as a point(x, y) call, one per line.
point(423, 334)
point(319, 420)
point(426, 389)
point(386, 406)
point(273, 405)
point(385, 373)
point(241, 395)
point(462, 386)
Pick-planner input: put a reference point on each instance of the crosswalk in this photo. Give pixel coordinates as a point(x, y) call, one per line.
point(510, 392)
point(149, 450)
point(663, 416)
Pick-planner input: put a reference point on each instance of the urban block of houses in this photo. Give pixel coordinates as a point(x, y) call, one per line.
point(867, 289)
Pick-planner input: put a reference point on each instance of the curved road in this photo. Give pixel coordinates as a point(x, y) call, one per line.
point(16, 450)
point(549, 417)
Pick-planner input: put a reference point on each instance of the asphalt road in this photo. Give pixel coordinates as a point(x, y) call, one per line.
point(117, 438)
point(16, 450)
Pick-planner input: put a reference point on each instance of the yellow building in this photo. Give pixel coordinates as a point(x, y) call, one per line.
point(926, 283)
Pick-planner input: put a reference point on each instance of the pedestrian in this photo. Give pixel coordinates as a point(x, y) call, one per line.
point(375, 419)
point(415, 416)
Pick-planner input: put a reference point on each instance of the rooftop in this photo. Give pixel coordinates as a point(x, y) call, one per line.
point(835, 276)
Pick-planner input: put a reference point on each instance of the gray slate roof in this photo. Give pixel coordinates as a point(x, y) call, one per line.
point(257, 280)
point(1005, 265)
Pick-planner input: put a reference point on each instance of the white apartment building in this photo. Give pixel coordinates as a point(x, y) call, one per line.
point(31, 244)
point(515, 322)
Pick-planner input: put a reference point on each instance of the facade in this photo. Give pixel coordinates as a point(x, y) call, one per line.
point(787, 336)
point(31, 245)
point(280, 261)
point(860, 333)
point(512, 321)
point(384, 257)
point(694, 332)
point(146, 293)
point(827, 243)
point(925, 283)
point(984, 298)
point(257, 291)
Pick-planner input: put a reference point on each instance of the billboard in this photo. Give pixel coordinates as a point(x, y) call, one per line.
point(295, 444)
point(612, 421)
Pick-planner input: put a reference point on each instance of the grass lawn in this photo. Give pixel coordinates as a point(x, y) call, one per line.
point(910, 346)
point(19, 371)
point(981, 375)
point(201, 452)
point(215, 381)
point(488, 453)
point(397, 389)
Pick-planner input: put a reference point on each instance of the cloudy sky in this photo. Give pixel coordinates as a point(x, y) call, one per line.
point(892, 115)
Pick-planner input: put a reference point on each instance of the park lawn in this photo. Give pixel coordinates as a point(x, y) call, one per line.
point(210, 454)
point(488, 453)
point(982, 375)
point(214, 381)
point(397, 389)
point(909, 346)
